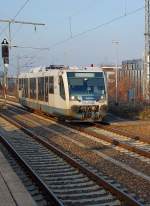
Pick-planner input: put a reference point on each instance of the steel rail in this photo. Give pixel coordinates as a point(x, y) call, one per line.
point(100, 136)
point(125, 198)
point(122, 132)
point(50, 196)
point(114, 142)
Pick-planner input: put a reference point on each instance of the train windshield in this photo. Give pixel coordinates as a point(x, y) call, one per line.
point(86, 86)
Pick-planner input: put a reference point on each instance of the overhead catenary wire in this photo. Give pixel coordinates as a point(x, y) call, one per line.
point(18, 12)
point(115, 19)
point(35, 56)
point(97, 27)
point(21, 8)
point(69, 18)
point(29, 47)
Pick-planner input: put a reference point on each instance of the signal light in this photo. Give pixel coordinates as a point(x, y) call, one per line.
point(5, 51)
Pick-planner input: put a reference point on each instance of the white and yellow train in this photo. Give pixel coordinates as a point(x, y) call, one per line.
point(70, 93)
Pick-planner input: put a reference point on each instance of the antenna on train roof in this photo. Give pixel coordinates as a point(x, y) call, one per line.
point(55, 67)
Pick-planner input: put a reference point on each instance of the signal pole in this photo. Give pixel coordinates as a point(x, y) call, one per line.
point(5, 56)
point(5, 83)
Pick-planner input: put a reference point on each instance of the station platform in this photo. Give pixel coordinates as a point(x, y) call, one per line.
point(12, 190)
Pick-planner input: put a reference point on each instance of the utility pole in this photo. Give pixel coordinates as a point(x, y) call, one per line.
point(146, 76)
point(116, 43)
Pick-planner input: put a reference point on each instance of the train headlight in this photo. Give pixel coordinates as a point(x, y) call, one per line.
point(101, 98)
point(72, 97)
point(75, 98)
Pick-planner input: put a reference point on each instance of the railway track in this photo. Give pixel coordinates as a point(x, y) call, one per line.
point(131, 142)
point(112, 136)
point(104, 125)
point(35, 185)
point(64, 180)
point(118, 131)
point(39, 126)
point(74, 194)
point(142, 149)
point(118, 139)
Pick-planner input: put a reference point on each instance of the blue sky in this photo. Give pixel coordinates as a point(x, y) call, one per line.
point(93, 47)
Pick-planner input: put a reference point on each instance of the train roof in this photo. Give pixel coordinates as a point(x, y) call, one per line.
point(56, 69)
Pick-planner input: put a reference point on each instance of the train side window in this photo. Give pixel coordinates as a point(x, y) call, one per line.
point(26, 87)
point(46, 89)
point(51, 85)
point(33, 88)
point(61, 87)
point(22, 87)
point(20, 84)
point(23, 91)
point(41, 88)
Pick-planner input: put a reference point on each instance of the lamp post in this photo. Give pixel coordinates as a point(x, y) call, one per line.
point(116, 43)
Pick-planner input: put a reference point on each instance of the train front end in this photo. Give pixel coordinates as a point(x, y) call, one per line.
point(87, 94)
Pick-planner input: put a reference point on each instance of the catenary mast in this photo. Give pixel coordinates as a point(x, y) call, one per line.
point(147, 52)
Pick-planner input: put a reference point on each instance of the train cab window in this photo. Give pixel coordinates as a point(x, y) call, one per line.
point(33, 88)
point(41, 88)
point(46, 89)
point(51, 85)
point(61, 87)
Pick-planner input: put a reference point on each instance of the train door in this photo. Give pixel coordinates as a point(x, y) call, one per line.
point(51, 91)
point(60, 96)
point(46, 89)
